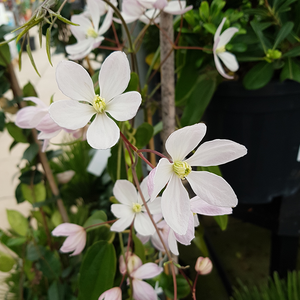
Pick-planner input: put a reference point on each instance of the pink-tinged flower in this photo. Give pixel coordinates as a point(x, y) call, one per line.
point(76, 237)
point(143, 290)
point(203, 265)
point(147, 11)
point(219, 50)
point(89, 33)
point(75, 82)
point(111, 294)
point(132, 208)
point(133, 263)
point(65, 177)
point(209, 187)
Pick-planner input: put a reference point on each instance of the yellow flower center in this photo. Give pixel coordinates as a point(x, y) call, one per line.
point(220, 49)
point(181, 169)
point(91, 33)
point(136, 207)
point(99, 104)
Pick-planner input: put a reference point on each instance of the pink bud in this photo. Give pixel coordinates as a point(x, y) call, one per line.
point(133, 263)
point(203, 265)
point(112, 294)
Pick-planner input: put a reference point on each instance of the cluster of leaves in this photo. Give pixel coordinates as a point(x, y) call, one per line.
point(277, 289)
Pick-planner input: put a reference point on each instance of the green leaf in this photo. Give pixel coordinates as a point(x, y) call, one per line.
point(28, 49)
point(139, 248)
point(112, 163)
point(48, 42)
point(258, 31)
point(2, 120)
point(18, 241)
point(210, 27)
point(198, 100)
point(97, 271)
point(283, 33)
point(17, 222)
point(200, 242)
point(222, 221)
point(16, 132)
point(31, 152)
point(166, 282)
point(31, 177)
point(133, 83)
point(49, 265)
point(285, 6)
point(292, 53)
point(6, 262)
point(56, 291)
point(258, 76)
point(291, 70)
point(204, 11)
point(19, 194)
point(34, 193)
point(4, 55)
point(97, 217)
point(29, 90)
point(143, 135)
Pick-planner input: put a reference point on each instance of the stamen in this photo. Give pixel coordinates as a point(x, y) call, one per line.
point(181, 169)
point(136, 207)
point(99, 104)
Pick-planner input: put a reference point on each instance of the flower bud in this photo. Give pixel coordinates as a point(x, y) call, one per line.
point(112, 294)
point(133, 263)
point(203, 265)
point(65, 177)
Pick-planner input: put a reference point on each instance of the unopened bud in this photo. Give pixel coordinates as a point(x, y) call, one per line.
point(203, 265)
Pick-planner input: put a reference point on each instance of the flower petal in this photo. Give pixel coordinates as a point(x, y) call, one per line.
point(181, 142)
point(186, 239)
point(74, 81)
point(80, 31)
point(201, 207)
point(122, 224)
point(106, 22)
point(80, 46)
point(212, 188)
point(163, 173)
point(36, 100)
point(71, 114)
point(144, 239)
point(103, 133)
point(144, 190)
point(216, 152)
point(143, 224)
point(124, 107)
point(93, 9)
point(175, 205)
point(226, 36)
point(177, 7)
point(125, 192)
point(30, 116)
point(147, 271)
point(122, 210)
point(143, 290)
point(66, 229)
point(217, 34)
point(111, 294)
point(229, 61)
point(114, 75)
point(80, 244)
point(220, 68)
point(173, 242)
point(155, 206)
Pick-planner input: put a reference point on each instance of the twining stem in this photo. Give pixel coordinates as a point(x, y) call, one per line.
point(194, 287)
point(154, 152)
point(99, 224)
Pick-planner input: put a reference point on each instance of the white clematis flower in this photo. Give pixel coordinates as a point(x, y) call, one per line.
point(209, 187)
point(89, 33)
point(219, 50)
point(132, 208)
point(75, 82)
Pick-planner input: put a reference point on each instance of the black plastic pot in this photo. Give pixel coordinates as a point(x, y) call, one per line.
point(267, 122)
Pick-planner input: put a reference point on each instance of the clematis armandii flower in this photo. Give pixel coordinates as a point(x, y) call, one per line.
point(89, 33)
point(111, 294)
point(143, 290)
point(76, 237)
point(209, 187)
point(132, 208)
point(147, 11)
point(75, 82)
point(133, 263)
point(219, 50)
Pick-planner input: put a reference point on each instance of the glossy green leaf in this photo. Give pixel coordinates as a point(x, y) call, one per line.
point(31, 152)
point(292, 53)
point(50, 265)
point(166, 282)
point(198, 101)
point(285, 6)
point(29, 90)
point(60, 17)
point(16, 132)
point(56, 291)
point(4, 55)
point(133, 83)
point(222, 221)
point(48, 43)
point(31, 177)
point(139, 248)
point(291, 70)
point(143, 135)
point(284, 31)
point(258, 76)
point(28, 49)
point(17, 222)
point(6, 262)
point(34, 193)
point(97, 217)
point(210, 27)
point(204, 11)
point(97, 271)
point(258, 31)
